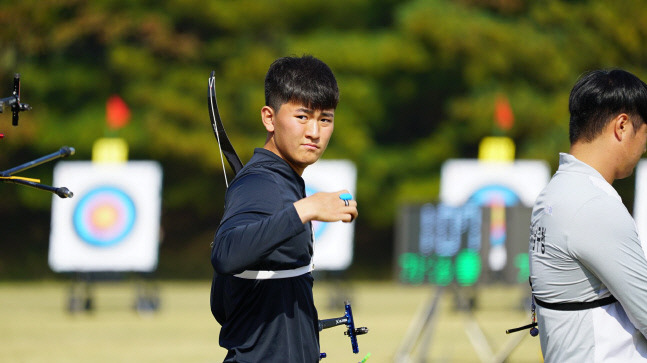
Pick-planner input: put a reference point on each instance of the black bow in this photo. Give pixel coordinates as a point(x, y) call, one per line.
point(224, 144)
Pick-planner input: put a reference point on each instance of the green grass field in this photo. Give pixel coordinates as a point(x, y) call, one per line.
point(36, 327)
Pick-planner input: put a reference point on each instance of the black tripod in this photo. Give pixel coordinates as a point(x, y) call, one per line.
point(7, 176)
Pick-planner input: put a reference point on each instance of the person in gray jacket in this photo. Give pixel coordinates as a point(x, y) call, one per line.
point(588, 270)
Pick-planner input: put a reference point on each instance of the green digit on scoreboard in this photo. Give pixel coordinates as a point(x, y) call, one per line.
point(468, 267)
point(413, 267)
point(443, 271)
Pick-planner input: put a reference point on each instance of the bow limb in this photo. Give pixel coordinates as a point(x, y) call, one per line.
point(224, 144)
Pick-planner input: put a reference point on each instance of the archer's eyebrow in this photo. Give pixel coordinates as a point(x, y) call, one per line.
point(311, 112)
point(305, 110)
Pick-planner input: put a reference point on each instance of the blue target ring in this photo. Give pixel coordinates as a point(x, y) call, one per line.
point(485, 195)
point(104, 216)
point(317, 226)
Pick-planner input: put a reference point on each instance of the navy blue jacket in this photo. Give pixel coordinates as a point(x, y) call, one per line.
point(271, 320)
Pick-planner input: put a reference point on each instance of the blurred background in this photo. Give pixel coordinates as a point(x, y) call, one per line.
point(421, 82)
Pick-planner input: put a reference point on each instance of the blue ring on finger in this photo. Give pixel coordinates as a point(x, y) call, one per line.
point(345, 196)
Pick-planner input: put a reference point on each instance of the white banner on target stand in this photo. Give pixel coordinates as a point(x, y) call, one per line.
point(333, 240)
point(112, 223)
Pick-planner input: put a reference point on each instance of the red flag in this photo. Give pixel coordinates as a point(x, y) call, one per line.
point(503, 113)
point(117, 112)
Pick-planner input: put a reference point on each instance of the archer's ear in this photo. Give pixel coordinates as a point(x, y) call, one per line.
point(620, 126)
point(267, 115)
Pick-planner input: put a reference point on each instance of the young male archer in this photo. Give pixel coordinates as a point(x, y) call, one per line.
point(262, 254)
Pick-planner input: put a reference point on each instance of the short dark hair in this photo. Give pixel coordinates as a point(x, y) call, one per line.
point(600, 95)
point(305, 80)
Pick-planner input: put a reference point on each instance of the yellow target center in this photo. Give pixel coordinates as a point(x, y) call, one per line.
point(104, 217)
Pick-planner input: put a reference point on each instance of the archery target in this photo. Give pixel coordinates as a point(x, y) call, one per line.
point(112, 222)
point(497, 198)
point(495, 185)
point(333, 248)
point(104, 216)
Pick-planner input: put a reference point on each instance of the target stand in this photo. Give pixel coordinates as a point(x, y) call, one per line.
point(111, 228)
point(81, 292)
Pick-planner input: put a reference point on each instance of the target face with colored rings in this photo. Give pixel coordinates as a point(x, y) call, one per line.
point(104, 216)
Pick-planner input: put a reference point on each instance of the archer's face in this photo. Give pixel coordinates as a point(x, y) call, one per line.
point(297, 134)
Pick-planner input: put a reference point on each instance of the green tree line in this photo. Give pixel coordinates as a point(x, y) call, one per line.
point(418, 81)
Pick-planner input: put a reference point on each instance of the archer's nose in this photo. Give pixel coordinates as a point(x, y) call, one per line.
point(312, 129)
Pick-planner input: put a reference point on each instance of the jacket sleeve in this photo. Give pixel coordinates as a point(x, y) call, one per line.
point(610, 248)
point(256, 221)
